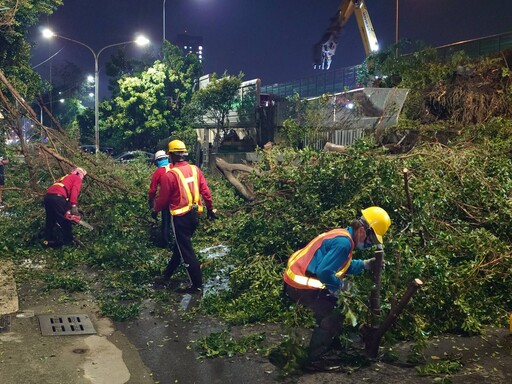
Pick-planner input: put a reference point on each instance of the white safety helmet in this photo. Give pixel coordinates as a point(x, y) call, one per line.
point(160, 155)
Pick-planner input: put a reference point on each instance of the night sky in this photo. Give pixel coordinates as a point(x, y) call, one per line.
point(267, 39)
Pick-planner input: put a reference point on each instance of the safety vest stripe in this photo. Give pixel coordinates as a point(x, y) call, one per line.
point(185, 183)
point(301, 252)
point(306, 281)
point(58, 183)
point(299, 261)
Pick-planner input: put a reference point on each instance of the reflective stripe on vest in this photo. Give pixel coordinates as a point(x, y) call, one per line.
point(295, 274)
point(191, 201)
point(63, 186)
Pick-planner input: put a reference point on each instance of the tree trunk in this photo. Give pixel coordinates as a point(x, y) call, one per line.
point(228, 170)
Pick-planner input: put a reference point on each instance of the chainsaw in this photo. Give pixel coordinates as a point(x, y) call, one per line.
point(77, 219)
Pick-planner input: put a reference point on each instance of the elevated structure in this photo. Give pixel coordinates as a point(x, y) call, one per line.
point(339, 79)
point(351, 110)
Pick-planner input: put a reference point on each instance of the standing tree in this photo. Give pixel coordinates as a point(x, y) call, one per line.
point(214, 102)
point(148, 107)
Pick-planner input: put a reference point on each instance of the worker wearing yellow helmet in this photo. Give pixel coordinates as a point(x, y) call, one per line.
point(185, 193)
point(315, 274)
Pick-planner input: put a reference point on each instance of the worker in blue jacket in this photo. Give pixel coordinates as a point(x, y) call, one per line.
point(314, 274)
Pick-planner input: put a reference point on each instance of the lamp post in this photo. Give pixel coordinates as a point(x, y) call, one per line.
point(140, 40)
point(163, 21)
point(396, 31)
point(40, 105)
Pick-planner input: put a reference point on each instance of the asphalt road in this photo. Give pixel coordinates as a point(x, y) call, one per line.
point(158, 347)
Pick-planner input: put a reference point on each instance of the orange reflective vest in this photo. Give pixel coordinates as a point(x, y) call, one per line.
point(296, 271)
point(189, 190)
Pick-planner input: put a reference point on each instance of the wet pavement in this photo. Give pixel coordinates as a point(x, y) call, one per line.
point(166, 345)
point(158, 347)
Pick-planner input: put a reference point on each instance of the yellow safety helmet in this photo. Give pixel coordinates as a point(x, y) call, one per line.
point(177, 146)
point(378, 220)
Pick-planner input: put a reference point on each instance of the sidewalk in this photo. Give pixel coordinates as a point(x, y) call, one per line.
point(26, 356)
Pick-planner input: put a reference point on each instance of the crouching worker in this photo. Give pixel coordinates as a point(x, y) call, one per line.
point(314, 275)
point(61, 197)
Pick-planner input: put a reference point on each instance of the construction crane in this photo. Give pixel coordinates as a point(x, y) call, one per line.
point(325, 49)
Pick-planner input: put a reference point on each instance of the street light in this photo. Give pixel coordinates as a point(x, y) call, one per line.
point(163, 21)
point(40, 105)
point(140, 40)
point(396, 31)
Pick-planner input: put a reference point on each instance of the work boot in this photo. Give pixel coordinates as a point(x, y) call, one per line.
point(323, 365)
point(161, 282)
point(75, 243)
point(190, 289)
point(320, 343)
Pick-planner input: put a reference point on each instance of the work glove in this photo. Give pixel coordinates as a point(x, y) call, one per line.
point(368, 264)
point(151, 204)
point(211, 214)
point(154, 215)
point(74, 210)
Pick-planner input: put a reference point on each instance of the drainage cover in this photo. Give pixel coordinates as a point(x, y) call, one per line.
point(65, 325)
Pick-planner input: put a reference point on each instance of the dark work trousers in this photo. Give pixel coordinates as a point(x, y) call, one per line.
point(165, 227)
point(56, 207)
point(183, 228)
point(327, 315)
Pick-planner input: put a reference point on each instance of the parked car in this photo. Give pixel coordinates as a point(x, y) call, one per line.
point(134, 155)
point(92, 149)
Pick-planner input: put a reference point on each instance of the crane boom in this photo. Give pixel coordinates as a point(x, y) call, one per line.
point(325, 49)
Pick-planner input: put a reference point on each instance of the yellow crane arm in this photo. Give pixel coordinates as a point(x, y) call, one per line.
point(325, 49)
point(366, 30)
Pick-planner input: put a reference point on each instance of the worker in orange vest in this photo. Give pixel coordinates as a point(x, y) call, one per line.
point(314, 274)
point(186, 186)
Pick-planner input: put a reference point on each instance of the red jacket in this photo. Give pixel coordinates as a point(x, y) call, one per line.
point(173, 195)
point(156, 181)
point(68, 186)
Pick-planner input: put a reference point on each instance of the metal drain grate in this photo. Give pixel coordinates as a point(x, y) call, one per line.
point(65, 325)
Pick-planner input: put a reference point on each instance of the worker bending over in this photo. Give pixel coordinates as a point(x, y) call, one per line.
point(62, 196)
point(314, 275)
